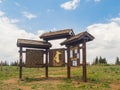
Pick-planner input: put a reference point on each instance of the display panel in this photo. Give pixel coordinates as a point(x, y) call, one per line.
point(57, 57)
point(34, 58)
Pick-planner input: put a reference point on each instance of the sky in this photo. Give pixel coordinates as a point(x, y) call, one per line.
point(28, 19)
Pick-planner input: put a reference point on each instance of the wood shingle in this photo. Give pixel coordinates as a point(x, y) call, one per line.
point(33, 43)
point(79, 38)
point(66, 33)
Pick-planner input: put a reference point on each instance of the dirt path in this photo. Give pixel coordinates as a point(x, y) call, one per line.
point(14, 84)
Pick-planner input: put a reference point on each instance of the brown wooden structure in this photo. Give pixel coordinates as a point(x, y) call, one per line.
point(24, 43)
point(34, 58)
point(57, 57)
point(72, 43)
point(67, 33)
point(78, 39)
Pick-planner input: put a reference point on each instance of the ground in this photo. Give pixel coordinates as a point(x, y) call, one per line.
point(98, 78)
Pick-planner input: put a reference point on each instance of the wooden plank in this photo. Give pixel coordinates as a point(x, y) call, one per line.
point(34, 58)
point(22, 51)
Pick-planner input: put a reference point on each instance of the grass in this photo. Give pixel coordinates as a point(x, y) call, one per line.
point(99, 77)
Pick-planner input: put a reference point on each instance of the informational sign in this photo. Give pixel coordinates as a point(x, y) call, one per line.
point(57, 57)
point(34, 58)
point(75, 56)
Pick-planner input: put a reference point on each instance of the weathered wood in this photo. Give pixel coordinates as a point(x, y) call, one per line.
point(22, 51)
point(57, 34)
point(68, 62)
point(34, 58)
point(33, 44)
point(46, 67)
point(84, 62)
point(20, 64)
point(78, 39)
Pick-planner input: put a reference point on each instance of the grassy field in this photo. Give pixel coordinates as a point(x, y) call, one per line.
point(99, 78)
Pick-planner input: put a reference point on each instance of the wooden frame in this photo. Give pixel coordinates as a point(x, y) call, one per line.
point(72, 40)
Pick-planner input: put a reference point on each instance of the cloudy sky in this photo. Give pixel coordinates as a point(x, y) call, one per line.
point(30, 18)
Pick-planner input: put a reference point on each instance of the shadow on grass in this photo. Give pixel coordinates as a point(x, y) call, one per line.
point(29, 79)
point(32, 79)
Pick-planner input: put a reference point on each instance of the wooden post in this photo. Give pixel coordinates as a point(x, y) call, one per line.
point(68, 62)
point(20, 64)
point(84, 62)
point(46, 66)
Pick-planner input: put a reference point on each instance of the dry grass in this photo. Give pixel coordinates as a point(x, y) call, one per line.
point(99, 78)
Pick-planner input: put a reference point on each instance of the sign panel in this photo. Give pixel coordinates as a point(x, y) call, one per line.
point(75, 56)
point(57, 57)
point(34, 58)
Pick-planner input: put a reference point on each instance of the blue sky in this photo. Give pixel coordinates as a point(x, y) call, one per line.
point(30, 18)
point(49, 13)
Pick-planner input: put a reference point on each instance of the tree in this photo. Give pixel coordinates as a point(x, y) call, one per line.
point(104, 61)
point(96, 61)
point(117, 61)
point(100, 60)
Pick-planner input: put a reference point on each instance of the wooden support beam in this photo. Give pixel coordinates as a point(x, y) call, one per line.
point(68, 62)
point(84, 62)
point(46, 67)
point(20, 64)
point(22, 51)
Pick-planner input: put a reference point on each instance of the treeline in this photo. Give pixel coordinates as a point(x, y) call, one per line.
point(97, 60)
point(4, 63)
point(102, 60)
point(14, 63)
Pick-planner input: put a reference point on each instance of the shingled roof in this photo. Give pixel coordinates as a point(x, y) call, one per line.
point(79, 38)
point(32, 43)
point(58, 34)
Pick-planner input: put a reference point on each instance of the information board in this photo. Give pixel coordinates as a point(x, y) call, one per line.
point(75, 56)
point(57, 57)
point(34, 58)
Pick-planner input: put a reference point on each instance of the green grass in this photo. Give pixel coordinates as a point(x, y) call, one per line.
point(99, 77)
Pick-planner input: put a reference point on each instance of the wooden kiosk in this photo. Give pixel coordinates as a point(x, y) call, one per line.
point(24, 43)
point(76, 40)
point(72, 44)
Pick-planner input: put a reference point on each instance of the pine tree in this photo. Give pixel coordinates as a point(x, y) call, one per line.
point(117, 61)
point(104, 61)
point(96, 60)
point(100, 60)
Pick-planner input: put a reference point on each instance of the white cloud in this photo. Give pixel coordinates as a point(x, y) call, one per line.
point(29, 15)
point(17, 4)
point(115, 19)
point(14, 20)
point(1, 13)
point(70, 5)
point(9, 33)
point(50, 10)
point(97, 0)
point(107, 40)
point(1, 1)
